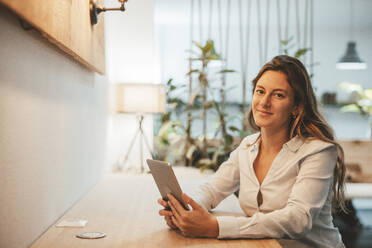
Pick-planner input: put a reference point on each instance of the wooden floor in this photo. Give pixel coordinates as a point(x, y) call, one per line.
point(124, 207)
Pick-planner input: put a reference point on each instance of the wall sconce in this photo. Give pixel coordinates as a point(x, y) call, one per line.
point(96, 10)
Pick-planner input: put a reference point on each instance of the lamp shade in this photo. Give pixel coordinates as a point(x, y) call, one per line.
point(140, 98)
point(351, 60)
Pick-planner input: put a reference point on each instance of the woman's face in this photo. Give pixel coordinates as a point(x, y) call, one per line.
point(273, 101)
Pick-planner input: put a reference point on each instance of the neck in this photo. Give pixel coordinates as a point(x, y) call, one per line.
point(273, 140)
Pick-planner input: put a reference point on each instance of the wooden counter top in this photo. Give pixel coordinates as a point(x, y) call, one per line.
point(124, 207)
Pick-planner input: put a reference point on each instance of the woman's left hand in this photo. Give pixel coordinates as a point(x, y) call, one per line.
point(197, 222)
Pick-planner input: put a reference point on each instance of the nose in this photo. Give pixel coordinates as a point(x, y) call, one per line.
point(266, 101)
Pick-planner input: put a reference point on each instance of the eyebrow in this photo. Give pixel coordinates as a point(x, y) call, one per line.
point(282, 90)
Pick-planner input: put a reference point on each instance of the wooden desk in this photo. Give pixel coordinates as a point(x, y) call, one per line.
point(124, 207)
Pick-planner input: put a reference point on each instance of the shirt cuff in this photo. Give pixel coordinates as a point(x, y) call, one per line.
point(228, 227)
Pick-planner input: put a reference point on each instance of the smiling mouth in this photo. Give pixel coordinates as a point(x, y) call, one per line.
point(265, 112)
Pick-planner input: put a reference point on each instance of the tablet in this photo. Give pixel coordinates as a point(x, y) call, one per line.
point(166, 180)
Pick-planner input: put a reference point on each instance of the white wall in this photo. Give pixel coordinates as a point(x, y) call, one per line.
point(52, 132)
point(130, 43)
point(129, 59)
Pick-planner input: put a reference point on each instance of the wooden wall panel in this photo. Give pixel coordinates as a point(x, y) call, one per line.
point(66, 23)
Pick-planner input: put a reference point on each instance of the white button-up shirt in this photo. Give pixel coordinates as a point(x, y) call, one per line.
point(296, 193)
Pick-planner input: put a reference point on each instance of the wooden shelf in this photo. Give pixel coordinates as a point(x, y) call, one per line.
point(66, 24)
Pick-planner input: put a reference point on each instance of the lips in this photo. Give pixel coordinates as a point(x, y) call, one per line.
point(264, 112)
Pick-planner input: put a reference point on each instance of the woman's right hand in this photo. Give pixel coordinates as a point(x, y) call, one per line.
point(167, 213)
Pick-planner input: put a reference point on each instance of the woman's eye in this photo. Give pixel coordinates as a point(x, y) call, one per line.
point(279, 95)
point(259, 92)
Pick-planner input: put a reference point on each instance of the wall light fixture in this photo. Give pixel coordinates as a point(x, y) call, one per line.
point(95, 10)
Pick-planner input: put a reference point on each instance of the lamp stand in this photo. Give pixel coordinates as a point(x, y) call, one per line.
point(142, 137)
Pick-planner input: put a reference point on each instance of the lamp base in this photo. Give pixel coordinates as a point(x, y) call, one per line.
point(142, 138)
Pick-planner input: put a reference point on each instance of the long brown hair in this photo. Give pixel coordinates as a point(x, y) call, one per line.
point(308, 122)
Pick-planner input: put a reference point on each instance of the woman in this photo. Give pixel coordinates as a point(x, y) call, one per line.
point(287, 174)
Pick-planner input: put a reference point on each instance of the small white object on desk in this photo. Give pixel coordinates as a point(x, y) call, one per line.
point(91, 235)
point(72, 223)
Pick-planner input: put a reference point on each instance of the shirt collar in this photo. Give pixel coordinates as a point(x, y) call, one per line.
point(253, 142)
point(294, 144)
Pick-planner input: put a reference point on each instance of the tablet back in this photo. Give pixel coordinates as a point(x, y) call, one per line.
point(166, 180)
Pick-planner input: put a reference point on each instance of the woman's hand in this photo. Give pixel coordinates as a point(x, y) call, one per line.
point(166, 213)
point(197, 222)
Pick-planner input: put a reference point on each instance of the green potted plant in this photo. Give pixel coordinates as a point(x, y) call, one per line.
point(174, 135)
point(361, 102)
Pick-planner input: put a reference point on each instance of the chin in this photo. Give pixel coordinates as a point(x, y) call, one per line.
point(262, 124)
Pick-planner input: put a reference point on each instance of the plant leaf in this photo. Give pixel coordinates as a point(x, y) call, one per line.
point(198, 45)
point(172, 87)
point(165, 117)
point(368, 93)
point(350, 87)
point(192, 71)
point(209, 104)
point(234, 129)
point(351, 108)
point(365, 102)
point(226, 71)
point(213, 57)
point(301, 52)
point(286, 42)
point(208, 46)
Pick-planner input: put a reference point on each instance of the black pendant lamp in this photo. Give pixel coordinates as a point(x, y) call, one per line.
point(350, 60)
